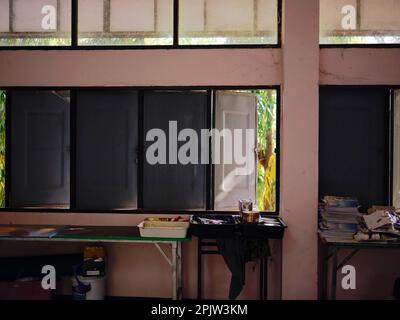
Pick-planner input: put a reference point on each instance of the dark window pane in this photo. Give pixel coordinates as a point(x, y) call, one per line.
point(174, 186)
point(40, 149)
point(354, 144)
point(107, 149)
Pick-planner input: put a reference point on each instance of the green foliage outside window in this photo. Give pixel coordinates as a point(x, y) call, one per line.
point(32, 41)
point(266, 136)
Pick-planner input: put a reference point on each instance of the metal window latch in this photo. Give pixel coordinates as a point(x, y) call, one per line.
point(136, 155)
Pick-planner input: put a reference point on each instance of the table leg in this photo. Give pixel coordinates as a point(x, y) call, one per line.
point(199, 270)
point(174, 273)
point(179, 271)
point(334, 273)
point(264, 278)
point(266, 266)
point(324, 275)
point(261, 281)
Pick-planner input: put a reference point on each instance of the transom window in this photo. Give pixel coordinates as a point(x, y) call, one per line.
point(138, 22)
point(359, 22)
point(35, 22)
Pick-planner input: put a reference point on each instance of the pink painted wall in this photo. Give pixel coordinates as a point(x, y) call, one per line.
point(141, 67)
point(299, 148)
point(298, 66)
point(357, 66)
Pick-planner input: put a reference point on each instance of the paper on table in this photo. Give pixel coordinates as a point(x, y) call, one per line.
point(29, 231)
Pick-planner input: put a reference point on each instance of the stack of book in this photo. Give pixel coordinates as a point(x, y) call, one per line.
point(338, 218)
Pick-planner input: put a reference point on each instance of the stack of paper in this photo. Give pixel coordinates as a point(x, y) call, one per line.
point(383, 222)
point(338, 218)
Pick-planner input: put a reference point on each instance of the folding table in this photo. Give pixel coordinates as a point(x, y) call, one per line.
point(94, 234)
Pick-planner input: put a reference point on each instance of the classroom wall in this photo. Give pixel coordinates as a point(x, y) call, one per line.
point(359, 66)
point(141, 67)
point(299, 66)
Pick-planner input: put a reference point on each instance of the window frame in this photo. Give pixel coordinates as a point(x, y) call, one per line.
point(209, 169)
point(175, 45)
point(360, 46)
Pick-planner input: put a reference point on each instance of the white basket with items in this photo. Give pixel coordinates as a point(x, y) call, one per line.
point(164, 227)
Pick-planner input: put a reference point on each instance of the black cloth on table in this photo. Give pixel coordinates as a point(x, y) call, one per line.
point(236, 251)
point(233, 251)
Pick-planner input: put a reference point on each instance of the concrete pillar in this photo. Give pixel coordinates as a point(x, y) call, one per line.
point(299, 147)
